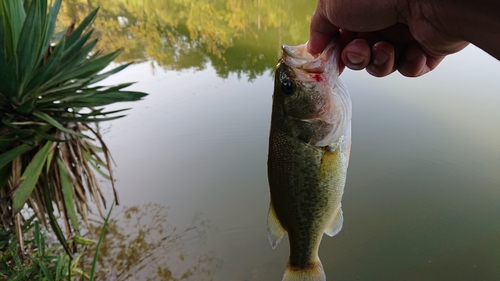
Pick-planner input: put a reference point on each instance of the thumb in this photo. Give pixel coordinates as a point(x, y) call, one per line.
point(320, 33)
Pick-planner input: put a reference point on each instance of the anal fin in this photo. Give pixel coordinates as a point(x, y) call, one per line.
point(275, 231)
point(335, 224)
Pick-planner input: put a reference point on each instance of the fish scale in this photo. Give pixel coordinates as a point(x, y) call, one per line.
point(307, 177)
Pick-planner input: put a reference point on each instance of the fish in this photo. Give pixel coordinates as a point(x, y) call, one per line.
point(309, 149)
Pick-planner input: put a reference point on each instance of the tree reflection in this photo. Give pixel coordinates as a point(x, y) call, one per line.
point(235, 36)
point(140, 243)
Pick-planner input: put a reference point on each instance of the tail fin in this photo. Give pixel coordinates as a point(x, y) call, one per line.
point(314, 272)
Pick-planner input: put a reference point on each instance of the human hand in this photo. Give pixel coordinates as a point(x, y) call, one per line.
point(384, 36)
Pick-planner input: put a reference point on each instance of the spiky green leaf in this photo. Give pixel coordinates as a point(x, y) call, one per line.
point(20, 275)
point(60, 91)
point(61, 267)
point(101, 112)
point(9, 79)
point(3, 58)
point(13, 15)
point(43, 268)
point(27, 225)
point(6, 141)
point(30, 39)
point(27, 106)
point(7, 157)
point(90, 68)
point(83, 241)
point(15, 256)
point(50, 24)
point(45, 117)
point(67, 190)
point(96, 164)
point(87, 120)
point(104, 75)
point(75, 54)
point(46, 71)
point(37, 235)
point(52, 219)
point(20, 133)
point(83, 25)
point(42, 132)
point(101, 238)
point(30, 177)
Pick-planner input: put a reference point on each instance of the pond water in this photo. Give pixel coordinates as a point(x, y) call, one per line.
point(422, 198)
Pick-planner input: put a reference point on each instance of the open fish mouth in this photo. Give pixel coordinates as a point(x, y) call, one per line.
point(298, 57)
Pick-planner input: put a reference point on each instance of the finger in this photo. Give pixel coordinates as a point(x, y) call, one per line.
point(357, 54)
point(433, 61)
point(321, 32)
point(346, 37)
point(416, 62)
point(382, 62)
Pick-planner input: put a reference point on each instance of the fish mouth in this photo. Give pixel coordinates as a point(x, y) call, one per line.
point(299, 58)
point(324, 110)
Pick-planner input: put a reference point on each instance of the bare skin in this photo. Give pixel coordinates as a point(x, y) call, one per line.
point(411, 36)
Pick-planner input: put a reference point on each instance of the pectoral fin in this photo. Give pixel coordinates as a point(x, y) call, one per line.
point(274, 229)
point(336, 222)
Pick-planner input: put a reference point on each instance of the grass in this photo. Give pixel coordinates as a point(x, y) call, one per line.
point(39, 262)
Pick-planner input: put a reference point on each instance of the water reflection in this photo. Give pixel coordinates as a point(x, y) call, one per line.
point(423, 182)
point(142, 244)
point(234, 36)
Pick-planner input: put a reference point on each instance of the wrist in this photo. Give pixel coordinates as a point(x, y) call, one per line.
point(481, 25)
point(474, 21)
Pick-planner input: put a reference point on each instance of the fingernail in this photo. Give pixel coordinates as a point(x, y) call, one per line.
point(379, 58)
point(355, 58)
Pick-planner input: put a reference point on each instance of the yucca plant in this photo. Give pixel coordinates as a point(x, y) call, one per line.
point(50, 148)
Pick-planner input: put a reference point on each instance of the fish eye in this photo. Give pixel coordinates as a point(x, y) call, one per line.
point(287, 87)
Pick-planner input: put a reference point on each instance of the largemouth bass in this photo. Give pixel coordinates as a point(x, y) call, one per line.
point(309, 146)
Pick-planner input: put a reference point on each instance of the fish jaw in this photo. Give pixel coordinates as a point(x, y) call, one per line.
point(297, 57)
point(321, 106)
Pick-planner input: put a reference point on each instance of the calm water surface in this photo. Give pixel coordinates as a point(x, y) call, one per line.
point(422, 199)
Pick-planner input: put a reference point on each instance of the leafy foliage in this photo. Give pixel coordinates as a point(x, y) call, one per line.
point(49, 150)
point(40, 262)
